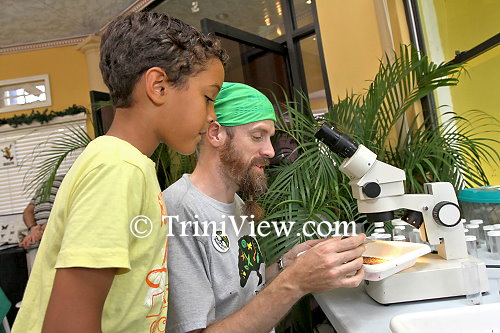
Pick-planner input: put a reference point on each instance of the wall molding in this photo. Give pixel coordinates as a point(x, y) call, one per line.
point(42, 45)
point(137, 6)
point(4, 129)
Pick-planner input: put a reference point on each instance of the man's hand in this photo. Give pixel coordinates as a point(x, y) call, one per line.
point(34, 235)
point(290, 256)
point(329, 264)
point(325, 264)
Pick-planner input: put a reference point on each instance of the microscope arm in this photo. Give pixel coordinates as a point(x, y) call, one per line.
point(378, 188)
point(440, 212)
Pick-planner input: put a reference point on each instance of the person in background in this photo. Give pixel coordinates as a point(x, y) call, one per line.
point(102, 262)
point(36, 215)
point(218, 276)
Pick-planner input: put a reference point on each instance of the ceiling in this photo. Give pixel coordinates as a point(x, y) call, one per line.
point(260, 17)
point(25, 22)
point(31, 21)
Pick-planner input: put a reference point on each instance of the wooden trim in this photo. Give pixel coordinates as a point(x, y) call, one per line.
point(6, 128)
point(41, 45)
point(137, 6)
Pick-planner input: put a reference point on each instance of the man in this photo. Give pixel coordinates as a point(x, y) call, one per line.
point(37, 213)
point(215, 278)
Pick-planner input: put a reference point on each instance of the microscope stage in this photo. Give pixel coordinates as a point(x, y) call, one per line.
point(431, 277)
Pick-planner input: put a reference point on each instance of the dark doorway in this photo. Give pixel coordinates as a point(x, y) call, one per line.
point(254, 60)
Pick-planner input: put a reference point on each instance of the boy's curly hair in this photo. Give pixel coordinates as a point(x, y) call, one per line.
point(136, 42)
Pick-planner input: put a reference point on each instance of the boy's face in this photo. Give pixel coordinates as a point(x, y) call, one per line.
point(190, 109)
point(244, 156)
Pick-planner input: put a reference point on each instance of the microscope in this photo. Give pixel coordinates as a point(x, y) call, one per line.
point(379, 190)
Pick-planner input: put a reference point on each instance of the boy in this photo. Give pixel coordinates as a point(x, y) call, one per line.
point(102, 261)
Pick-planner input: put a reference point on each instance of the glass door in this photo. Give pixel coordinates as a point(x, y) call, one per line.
point(253, 60)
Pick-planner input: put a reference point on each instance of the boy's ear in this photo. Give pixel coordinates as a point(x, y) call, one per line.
point(156, 85)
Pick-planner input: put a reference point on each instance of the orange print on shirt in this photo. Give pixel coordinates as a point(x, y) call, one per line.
point(157, 281)
point(163, 210)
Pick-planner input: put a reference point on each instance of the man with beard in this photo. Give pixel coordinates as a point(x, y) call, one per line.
point(217, 275)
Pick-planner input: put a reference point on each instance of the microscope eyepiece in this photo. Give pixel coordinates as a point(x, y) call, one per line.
point(338, 142)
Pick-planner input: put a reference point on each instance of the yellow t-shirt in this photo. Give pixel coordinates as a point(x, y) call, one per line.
point(107, 213)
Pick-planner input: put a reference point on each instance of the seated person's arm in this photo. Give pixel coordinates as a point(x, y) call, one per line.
point(35, 231)
point(77, 300)
point(327, 265)
point(29, 216)
point(288, 258)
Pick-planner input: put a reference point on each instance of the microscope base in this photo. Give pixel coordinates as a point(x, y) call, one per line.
point(431, 277)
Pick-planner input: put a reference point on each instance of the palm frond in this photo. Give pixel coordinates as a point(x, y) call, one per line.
point(54, 151)
point(312, 188)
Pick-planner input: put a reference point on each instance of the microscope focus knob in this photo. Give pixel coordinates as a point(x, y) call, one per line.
point(371, 189)
point(446, 213)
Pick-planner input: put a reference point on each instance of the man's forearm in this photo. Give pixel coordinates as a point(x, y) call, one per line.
point(29, 216)
point(264, 311)
point(272, 271)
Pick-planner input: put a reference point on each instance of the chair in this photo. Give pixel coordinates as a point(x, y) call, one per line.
point(4, 308)
point(5, 325)
point(30, 257)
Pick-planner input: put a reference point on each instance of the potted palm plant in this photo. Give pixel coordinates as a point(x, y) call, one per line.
point(312, 188)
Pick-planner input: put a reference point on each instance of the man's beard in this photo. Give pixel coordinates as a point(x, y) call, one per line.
point(251, 182)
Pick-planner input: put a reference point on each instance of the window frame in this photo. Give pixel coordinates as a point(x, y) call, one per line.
point(291, 40)
point(31, 141)
point(28, 106)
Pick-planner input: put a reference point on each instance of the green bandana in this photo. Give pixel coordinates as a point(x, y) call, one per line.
point(239, 104)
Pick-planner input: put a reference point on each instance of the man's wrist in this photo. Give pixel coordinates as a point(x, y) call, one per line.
point(287, 281)
point(32, 226)
point(281, 264)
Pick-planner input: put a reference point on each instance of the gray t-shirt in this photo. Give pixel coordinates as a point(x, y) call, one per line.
point(210, 276)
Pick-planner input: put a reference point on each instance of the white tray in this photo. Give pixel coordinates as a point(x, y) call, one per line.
point(465, 319)
point(400, 255)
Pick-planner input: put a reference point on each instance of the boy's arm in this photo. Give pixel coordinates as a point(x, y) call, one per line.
point(77, 300)
point(326, 266)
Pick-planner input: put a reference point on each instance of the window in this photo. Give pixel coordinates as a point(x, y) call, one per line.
point(303, 12)
point(313, 75)
point(25, 93)
point(291, 23)
point(263, 18)
point(24, 144)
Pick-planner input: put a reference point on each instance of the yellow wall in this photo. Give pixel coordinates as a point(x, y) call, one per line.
point(67, 70)
point(351, 44)
point(462, 25)
point(354, 41)
point(355, 35)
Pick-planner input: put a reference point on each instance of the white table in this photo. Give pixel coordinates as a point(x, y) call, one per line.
point(353, 311)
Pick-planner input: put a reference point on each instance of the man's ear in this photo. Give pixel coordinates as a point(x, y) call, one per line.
point(216, 135)
point(156, 84)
